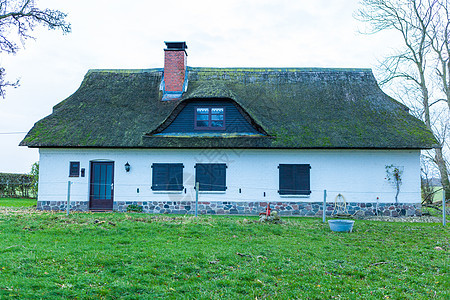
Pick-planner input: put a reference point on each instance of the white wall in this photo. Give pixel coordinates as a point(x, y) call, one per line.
point(359, 175)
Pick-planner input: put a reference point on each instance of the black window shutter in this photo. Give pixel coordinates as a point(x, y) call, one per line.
point(211, 177)
point(302, 179)
point(218, 180)
point(167, 177)
point(203, 176)
point(294, 179)
point(159, 177)
point(286, 180)
point(175, 177)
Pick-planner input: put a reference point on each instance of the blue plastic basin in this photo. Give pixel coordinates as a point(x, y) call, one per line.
point(341, 225)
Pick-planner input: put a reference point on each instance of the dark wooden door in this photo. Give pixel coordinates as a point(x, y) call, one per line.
point(101, 186)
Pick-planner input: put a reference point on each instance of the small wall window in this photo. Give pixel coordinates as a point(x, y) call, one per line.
point(294, 179)
point(211, 177)
point(210, 118)
point(167, 177)
point(74, 169)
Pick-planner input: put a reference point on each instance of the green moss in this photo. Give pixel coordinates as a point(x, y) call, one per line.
point(299, 108)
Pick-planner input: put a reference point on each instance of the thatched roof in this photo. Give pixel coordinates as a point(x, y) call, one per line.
point(295, 108)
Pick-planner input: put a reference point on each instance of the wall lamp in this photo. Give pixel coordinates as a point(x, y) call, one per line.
point(127, 167)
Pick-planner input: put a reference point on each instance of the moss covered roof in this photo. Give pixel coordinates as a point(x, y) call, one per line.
point(295, 108)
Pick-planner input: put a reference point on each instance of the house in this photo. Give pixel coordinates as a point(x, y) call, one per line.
point(249, 137)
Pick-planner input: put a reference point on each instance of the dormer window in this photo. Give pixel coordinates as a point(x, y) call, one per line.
point(210, 118)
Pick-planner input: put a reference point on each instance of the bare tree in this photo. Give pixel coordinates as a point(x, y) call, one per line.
point(439, 35)
point(426, 182)
point(423, 64)
point(18, 18)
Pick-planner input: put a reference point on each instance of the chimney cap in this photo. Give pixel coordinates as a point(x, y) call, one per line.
point(176, 45)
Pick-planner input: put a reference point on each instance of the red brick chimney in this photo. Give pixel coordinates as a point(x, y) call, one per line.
point(174, 70)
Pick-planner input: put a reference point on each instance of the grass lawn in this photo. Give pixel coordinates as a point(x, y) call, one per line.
point(130, 256)
point(17, 202)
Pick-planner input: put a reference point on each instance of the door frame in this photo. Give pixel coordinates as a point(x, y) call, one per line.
point(91, 178)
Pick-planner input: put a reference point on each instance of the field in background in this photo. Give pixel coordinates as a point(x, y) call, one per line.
point(438, 195)
point(122, 255)
point(17, 202)
point(437, 201)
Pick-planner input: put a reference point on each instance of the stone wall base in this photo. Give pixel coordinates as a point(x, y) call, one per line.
point(286, 208)
point(62, 205)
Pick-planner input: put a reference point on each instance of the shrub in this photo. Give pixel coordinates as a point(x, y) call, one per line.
point(134, 208)
point(16, 185)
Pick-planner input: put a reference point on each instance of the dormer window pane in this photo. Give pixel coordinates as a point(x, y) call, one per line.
point(217, 111)
point(201, 124)
point(210, 118)
point(203, 110)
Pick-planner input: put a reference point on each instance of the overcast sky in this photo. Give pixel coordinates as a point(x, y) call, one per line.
point(113, 34)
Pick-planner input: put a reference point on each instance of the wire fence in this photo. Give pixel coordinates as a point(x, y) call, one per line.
point(143, 191)
point(220, 187)
point(18, 189)
point(150, 192)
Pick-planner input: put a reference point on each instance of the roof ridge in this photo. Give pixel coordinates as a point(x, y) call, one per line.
point(123, 71)
point(235, 69)
point(276, 69)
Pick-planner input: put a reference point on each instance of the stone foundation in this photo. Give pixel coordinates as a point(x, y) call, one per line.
point(62, 205)
point(247, 208)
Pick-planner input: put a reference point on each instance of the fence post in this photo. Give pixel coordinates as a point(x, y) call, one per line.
point(196, 198)
point(324, 205)
point(444, 209)
point(68, 196)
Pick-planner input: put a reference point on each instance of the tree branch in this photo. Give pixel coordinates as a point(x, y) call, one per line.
point(18, 18)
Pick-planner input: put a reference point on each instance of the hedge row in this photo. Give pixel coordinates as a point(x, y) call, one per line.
point(17, 185)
